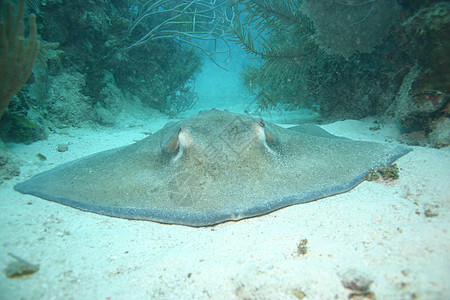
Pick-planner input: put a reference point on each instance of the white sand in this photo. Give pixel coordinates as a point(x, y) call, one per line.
point(378, 228)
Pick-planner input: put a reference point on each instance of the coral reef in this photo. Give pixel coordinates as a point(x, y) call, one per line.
point(323, 55)
point(330, 57)
point(424, 36)
point(423, 101)
point(93, 74)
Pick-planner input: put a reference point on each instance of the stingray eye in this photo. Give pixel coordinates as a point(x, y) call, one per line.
point(261, 123)
point(171, 143)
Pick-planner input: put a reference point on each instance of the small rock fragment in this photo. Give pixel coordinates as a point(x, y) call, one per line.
point(299, 294)
point(301, 247)
point(20, 267)
point(404, 192)
point(62, 147)
point(355, 280)
point(429, 213)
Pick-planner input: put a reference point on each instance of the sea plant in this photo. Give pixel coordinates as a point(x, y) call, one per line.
point(299, 62)
point(280, 34)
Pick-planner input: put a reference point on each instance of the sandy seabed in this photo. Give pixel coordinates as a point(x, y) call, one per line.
point(395, 234)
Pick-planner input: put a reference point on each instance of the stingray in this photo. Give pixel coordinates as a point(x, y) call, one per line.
point(214, 167)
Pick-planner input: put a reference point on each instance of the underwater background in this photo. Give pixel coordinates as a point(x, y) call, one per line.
point(82, 76)
point(99, 61)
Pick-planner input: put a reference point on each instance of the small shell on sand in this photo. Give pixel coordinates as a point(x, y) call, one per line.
point(355, 280)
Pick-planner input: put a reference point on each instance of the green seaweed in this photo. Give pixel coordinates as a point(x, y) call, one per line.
point(20, 267)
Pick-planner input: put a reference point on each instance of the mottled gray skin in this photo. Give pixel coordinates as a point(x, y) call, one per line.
point(210, 168)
